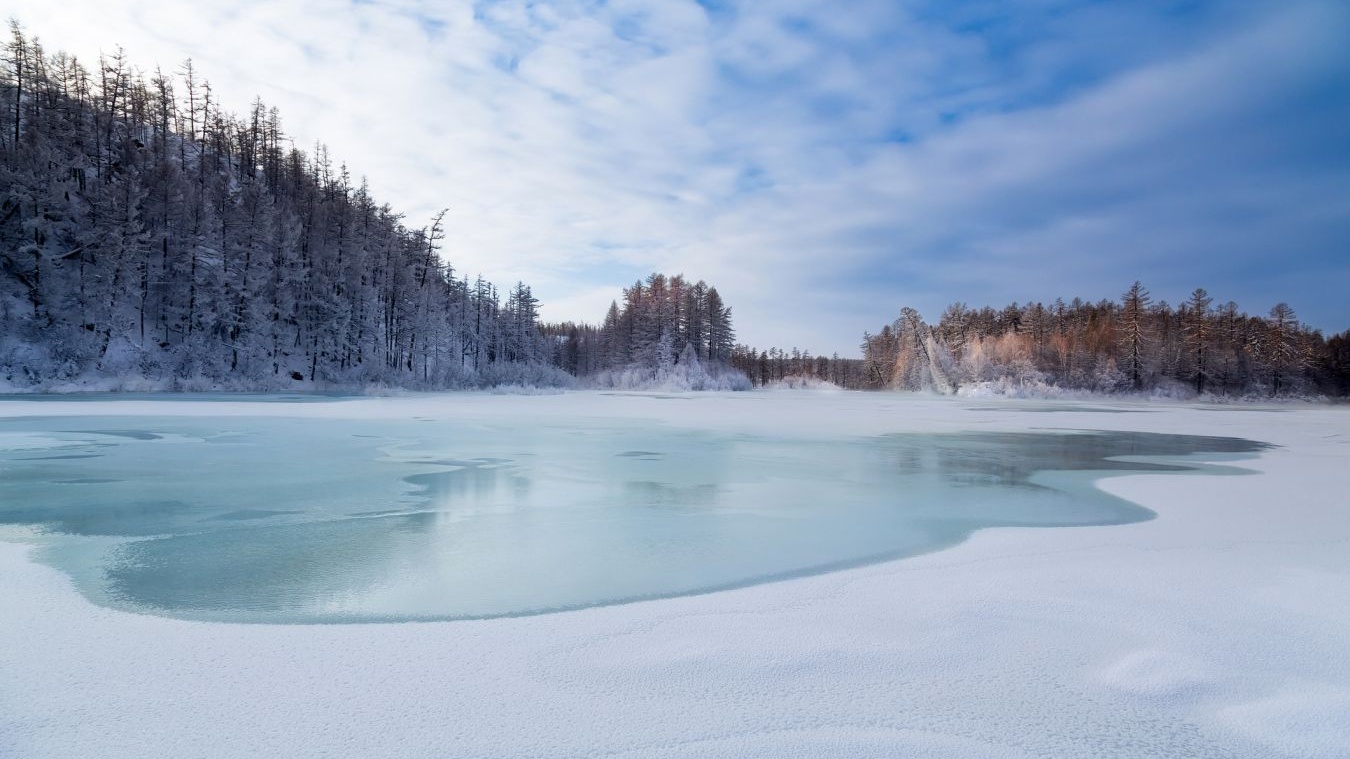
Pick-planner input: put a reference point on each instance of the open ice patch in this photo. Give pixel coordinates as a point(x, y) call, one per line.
point(320, 520)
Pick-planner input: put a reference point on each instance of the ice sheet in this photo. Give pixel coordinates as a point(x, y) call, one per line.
point(263, 519)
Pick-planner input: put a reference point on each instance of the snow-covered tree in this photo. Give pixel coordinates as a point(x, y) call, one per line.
point(147, 235)
point(1105, 347)
point(1133, 332)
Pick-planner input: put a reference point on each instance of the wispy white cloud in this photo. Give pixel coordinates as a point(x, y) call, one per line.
point(822, 164)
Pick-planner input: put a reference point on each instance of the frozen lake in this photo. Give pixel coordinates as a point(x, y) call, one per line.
point(337, 510)
point(1206, 617)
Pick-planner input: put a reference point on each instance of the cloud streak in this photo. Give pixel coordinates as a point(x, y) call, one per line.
point(822, 165)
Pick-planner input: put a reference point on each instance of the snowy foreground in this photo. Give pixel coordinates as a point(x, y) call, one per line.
point(1219, 629)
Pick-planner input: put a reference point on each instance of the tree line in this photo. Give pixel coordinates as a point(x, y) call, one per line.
point(1134, 344)
point(776, 366)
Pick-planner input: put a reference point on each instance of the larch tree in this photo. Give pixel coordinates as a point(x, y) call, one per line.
point(1279, 346)
point(1197, 336)
point(148, 233)
point(1133, 333)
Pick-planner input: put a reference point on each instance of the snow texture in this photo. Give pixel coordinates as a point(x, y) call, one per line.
point(1218, 629)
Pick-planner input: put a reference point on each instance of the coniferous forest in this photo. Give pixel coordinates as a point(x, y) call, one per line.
point(152, 238)
point(150, 235)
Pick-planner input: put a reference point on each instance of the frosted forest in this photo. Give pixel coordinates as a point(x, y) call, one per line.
point(152, 239)
point(1133, 345)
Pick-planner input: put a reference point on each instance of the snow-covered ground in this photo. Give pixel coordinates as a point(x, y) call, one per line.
point(1219, 629)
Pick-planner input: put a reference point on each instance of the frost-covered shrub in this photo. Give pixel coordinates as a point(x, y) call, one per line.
point(1006, 387)
point(1170, 390)
point(1109, 379)
point(524, 374)
point(688, 374)
point(524, 390)
point(802, 382)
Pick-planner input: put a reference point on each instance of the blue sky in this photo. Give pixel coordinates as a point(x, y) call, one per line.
point(822, 163)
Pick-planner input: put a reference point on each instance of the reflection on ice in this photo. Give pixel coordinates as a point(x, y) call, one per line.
point(276, 519)
point(252, 514)
point(133, 434)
